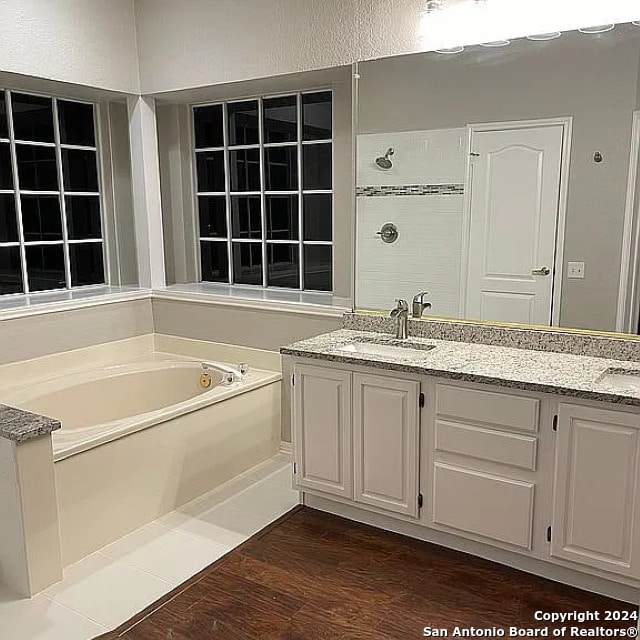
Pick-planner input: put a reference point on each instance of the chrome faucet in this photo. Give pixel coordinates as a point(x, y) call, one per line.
point(401, 314)
point(419, 305)
point(229, 374)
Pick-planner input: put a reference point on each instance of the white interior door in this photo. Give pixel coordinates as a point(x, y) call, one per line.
point(515, 197)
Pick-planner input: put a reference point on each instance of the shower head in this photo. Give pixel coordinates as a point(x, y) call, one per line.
point(383, 161)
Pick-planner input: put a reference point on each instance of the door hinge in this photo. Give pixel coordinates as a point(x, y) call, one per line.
point(295, 468)
point(420, 501)
point(555, 423)
point(421, 400)
point(549, 534)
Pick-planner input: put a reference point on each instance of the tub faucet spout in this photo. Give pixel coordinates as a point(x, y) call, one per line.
point(230, 374)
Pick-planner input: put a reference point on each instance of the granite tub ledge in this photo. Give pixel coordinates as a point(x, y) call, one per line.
point(18, 425)
point(528, 370)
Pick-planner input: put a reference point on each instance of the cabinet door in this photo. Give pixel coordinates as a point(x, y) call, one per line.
point(322, 430)
point(596, 491)
point(386, 447)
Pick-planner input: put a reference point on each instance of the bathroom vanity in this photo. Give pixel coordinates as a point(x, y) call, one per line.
point(530, 458)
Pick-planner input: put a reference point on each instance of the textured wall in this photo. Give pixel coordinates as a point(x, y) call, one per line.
point(87, 42)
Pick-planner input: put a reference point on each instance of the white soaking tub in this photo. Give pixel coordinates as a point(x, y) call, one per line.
point(140, 438)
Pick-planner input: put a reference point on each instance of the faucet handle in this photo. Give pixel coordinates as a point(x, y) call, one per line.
point(402, 305)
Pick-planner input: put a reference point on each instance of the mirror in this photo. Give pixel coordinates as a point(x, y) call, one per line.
point(502, 180)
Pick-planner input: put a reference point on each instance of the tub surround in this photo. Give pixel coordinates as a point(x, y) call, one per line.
point(572, 342)
point(19, 426)
point(537, 371)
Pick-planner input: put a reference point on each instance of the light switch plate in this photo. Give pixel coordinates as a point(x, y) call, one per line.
point(575, 270)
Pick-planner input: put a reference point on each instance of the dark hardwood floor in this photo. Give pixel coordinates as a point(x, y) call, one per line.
point(314, 576)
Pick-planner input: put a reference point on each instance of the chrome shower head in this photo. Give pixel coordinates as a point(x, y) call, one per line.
point(383, 161)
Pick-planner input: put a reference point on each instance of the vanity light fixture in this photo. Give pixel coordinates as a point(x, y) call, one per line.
point(434, 5)
point(541, 37)
point(496, 43)
point(451, 50)
point(599, 28)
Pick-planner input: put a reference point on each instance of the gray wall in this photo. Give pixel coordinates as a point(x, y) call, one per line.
point(36, 336)
point(595, 80)
point(176, 168)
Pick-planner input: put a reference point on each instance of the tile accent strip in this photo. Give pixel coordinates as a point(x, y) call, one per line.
point(411, 190)
point(580, 344)
point(19, 426)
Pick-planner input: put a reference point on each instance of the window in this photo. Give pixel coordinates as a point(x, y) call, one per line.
point(264, 176)
point(50, 211)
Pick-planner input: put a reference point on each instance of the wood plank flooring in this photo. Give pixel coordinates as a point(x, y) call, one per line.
point(314, 576)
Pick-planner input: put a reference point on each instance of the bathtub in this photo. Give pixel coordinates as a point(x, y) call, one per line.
point(97, 406)
point(140, 438)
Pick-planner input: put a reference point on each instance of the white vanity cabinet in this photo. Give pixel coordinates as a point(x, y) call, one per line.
point(356, 437)
point(597, 489)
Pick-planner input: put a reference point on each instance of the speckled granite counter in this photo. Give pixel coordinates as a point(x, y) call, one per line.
point(19, 426)
point(541, 371)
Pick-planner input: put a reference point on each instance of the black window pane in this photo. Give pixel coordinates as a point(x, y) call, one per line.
point(247, 263)
point(76, 123)
point(32, 118)
point(245, 170)
point(213, 216)
point(45, 267)
point(281, 168)
point(317, 166)
point(282, 217)
point(8, 222)
point(37, 168)
point(283, 266)
point(210, 170)
point(41, 218)
point(4, 126)
point(280, 119)
point(317, 268)
point(87, 265)
point(214, 261)
point(83, 217)
point(208, 126)
point(80, 170)
point(10, 271)
point(316, 116)
point(6, 181)
point(318, 216)
point(243, 122)
point(246, 219)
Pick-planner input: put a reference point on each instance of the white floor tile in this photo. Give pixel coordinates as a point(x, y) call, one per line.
point(265, 499)
point(106, 591)
point(239, 522)
point(166, 553)
point(199, 527)
point(43, 619)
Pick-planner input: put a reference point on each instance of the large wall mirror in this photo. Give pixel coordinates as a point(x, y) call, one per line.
point(501, 179)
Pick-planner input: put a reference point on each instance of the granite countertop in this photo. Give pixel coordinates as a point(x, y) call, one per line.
point(19, 426)
point(541, 371)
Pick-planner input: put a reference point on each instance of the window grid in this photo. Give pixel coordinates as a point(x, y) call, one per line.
point(61, 193)
point(226, 149)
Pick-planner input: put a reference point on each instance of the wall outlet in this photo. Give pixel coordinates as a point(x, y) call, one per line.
point(575, 270)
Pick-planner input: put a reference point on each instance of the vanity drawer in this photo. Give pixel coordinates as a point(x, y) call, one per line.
point(500, 409)
point(487, 444)
point(483, 504)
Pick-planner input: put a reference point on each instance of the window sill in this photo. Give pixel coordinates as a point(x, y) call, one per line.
point(304, 302)
point(20, 306)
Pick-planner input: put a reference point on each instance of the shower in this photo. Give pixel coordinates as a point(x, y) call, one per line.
point(383, 161)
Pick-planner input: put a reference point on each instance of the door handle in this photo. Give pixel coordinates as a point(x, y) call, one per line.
point(543, 271)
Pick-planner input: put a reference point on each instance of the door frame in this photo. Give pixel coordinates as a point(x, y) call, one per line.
point(558, 263)
point(628, 312)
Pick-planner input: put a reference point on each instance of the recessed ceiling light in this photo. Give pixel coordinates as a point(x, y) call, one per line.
point(545, 36)
point(451, 50)
point(599, 28)
point(496, 43)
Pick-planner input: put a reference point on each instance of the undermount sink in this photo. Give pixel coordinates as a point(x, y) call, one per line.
point(390, 349)
point(622, 379)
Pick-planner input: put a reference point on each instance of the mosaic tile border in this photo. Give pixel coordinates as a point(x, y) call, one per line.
point(411, 190)
point(580, 344)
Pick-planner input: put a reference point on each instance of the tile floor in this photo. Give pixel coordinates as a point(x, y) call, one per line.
point(108, 587)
